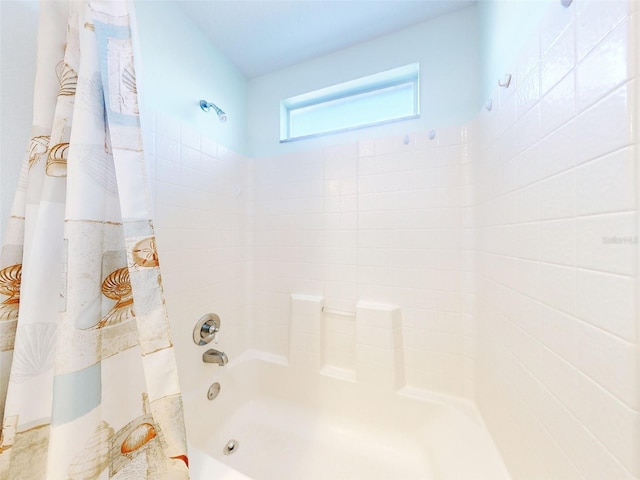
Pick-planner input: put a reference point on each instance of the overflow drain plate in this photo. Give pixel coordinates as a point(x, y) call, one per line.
point(214, 390)
point(231, 447)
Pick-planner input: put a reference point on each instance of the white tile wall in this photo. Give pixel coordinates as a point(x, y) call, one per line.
point(201, 203)
point(558, 370)
point(384, 221)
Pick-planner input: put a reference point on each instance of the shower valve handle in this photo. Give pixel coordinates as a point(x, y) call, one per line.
point(209, 329)
point(206, 329)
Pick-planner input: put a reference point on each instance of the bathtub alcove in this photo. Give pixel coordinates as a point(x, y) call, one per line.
point(437, 299)
point(291, 424)
point(298, 417)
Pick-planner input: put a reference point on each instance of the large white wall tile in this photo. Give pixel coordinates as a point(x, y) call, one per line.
point(595, 19)
point(608, 65)
point(557, 150)
point(609, 361)
point(608, 243)
point(609, 302)
point(558, 242)
point(595, 137)
point(557, 107)
point(608, 184)
point(553, 26)
point(528, 203)
point(560, 334)
point(528, 92)
point(558, 196)
point(558, 60)
point(559, 287)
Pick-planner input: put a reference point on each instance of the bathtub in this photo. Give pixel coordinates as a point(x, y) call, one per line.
point(295, 425)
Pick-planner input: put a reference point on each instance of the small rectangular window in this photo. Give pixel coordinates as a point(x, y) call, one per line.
point(387, 96)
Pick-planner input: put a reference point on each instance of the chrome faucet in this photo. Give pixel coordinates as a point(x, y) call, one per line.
point(214, 356)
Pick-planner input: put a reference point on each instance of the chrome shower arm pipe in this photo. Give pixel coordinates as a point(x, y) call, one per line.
point(206, 106)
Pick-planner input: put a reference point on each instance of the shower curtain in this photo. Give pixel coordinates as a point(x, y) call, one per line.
point(88, 381)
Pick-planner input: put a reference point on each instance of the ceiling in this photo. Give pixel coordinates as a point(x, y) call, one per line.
point(263, 36)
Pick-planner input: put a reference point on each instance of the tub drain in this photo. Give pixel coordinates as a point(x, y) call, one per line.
point(231, 447)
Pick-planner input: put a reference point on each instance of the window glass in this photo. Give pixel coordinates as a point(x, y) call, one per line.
point(372, 100)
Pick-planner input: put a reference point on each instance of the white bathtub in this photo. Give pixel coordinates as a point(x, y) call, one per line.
point(300, 426)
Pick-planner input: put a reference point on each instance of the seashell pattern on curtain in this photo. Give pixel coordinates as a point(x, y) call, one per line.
point(88, 379)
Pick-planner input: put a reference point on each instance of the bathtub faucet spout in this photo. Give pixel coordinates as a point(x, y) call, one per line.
point(214, 356)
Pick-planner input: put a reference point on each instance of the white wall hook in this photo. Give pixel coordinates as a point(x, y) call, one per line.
point(506, 82)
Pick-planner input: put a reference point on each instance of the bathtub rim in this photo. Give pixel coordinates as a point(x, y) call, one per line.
point(464, 406)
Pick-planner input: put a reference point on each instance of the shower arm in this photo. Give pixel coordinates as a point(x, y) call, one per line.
point(206, 106)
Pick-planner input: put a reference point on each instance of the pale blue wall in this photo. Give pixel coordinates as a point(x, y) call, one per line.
point(449, 53)
point(180, 66)
point(505, 27)
point(462, 55)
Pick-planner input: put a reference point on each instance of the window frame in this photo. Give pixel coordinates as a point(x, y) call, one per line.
point(378, 82)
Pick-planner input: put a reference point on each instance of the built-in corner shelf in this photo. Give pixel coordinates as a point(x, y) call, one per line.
point(365, 347)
